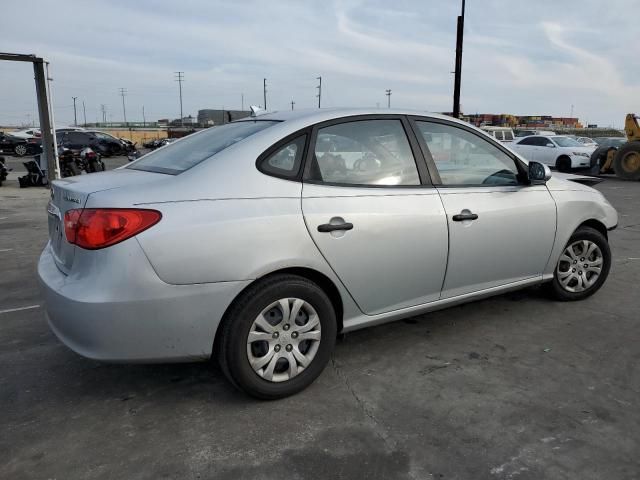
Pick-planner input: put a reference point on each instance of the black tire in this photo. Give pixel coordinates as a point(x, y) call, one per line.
point(563, 164)
point(626, 163)
point(71, 170)
point(232, 342)
point(591, 235)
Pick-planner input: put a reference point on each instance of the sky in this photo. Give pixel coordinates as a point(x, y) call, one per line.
point(521, 57)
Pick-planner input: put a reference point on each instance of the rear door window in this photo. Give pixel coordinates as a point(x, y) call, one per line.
point(189, 151)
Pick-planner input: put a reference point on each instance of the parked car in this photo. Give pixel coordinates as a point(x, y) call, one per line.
point(502, 134)
point(526, 133)
point(19, 146)
point(557, 151)
point(104, 144)
point(27, 134)
point(259, 241)
point(587, 142)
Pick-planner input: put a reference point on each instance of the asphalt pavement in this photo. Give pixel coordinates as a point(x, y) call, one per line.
point(513, 387)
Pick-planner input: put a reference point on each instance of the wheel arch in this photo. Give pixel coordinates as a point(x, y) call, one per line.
point(596, 225)
point(320, 279)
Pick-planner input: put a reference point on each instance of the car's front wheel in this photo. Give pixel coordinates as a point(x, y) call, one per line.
point(277, 337)
point(583, 266)
point(20, 150)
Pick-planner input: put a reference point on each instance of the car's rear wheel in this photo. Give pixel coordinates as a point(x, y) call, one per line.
point(583, 265)
point(20, 150)
point(563, 164)
point(277, 337)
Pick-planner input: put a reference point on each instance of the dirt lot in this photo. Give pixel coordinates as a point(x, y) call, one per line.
point(513, 387)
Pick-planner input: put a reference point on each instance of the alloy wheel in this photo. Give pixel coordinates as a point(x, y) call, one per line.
point(21, 150)
point(579, 266)
point(283, 339)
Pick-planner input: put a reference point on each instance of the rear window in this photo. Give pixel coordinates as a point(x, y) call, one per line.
point(189, 151)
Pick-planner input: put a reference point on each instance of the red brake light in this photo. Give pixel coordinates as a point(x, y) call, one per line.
point(95, 228)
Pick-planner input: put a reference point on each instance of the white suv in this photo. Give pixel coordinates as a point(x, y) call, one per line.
point(558, 151)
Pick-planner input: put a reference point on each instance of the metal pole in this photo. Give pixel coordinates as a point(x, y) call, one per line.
point(84, 113)
point(46, 129)
point(144, 120)
point(388, 94)
point(458, 71)
point(180, 79)
point(75, 118)
point(292, 104)
point(242, 97)
point(264, 92)
point(123, 92)
point(52, 121)
point(319, 87)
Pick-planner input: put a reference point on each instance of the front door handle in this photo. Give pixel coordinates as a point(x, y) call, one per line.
point(464, 216)
point(328, 227)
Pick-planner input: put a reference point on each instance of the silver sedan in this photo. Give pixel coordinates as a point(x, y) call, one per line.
point(257, 242)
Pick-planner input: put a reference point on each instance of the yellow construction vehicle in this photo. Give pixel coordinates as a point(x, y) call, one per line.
point(625, 161)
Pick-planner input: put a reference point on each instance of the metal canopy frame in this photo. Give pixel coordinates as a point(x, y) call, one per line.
point(44, 111)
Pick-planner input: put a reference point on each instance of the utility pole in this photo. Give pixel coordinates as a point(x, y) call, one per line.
point(264, 92)
point(388, 94)
point(458, 71)
point(144, 120)
point(319, 87)
point(180, 79)
point(292, 104)
point(103, 109)
point(571, 116)
point(242, 100)
point(84, 113)
point(123, 93)
point(75, 117)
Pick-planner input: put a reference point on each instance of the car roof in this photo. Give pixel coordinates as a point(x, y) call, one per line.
point(312, 116)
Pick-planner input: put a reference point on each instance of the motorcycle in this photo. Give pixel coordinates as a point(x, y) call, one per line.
point(4, 171)
point(70, 164)
point(91, 161)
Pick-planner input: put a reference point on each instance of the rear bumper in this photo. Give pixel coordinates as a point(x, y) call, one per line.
point(126, 313)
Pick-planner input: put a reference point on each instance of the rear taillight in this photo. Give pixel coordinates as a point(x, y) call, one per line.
point(94, 228)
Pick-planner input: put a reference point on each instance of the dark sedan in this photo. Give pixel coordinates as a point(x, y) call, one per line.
point(102, 143)
point(19, 146)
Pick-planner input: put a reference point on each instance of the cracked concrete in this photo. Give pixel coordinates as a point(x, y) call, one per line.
point(513, 387)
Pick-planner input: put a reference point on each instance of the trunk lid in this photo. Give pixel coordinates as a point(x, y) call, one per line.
point(72, 193)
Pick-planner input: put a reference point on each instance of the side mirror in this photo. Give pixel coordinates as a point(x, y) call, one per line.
point(538, 173)
point(550, 145)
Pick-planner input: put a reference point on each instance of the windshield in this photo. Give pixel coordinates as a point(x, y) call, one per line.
point(177, 157)
point(566, 142)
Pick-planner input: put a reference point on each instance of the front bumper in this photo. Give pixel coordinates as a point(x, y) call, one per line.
point(578, 161)
point(124, 312)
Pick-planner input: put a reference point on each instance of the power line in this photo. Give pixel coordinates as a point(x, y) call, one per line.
point(388, 94)
point(180, 79)
point(123, 93)
point(319, 87)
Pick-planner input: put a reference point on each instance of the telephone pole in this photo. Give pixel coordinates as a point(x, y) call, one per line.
point(388, 94)
point(292, 104)
point(103, 108)
point(84, 113)
point(144, 120)
point(458, 71)
point(180, 79)
point(242, 100)
point(264, 92)
point(75, 118)
point(319, 87)
point(123, 93)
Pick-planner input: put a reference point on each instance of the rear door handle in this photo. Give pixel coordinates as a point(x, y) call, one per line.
point(464, 216)
point(328, 227)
